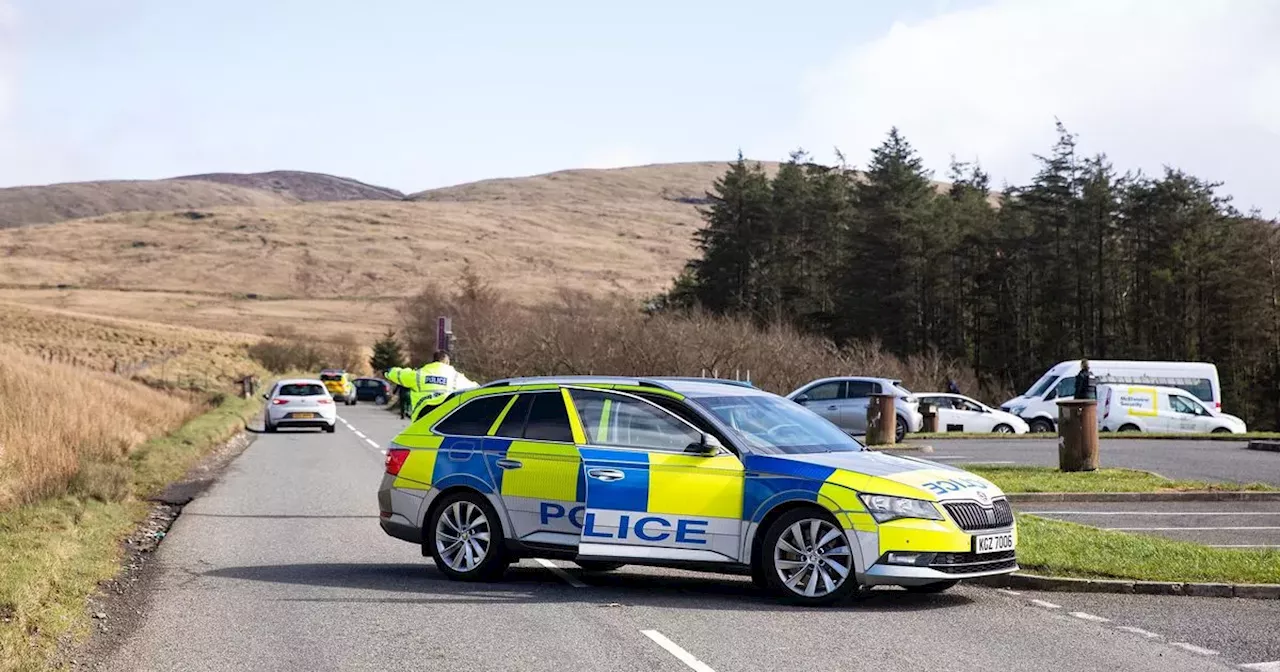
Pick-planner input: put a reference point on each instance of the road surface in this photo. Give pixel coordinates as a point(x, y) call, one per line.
point(282, 566)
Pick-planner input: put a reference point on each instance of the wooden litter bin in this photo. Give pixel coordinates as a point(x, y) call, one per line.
point(1078, 435)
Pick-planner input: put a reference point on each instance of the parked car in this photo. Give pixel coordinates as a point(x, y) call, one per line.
point(958, 413)
point(376, 390)
point(1148, 408)
point(1038, 405)
point(299, 403)
point(338, 382)
point(844, 400)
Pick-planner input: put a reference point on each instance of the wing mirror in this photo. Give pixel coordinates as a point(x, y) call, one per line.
point(802, 398)
point(707, 445)
point(1053, 394)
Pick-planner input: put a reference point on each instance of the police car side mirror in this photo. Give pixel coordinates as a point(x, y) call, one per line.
point(706, 445)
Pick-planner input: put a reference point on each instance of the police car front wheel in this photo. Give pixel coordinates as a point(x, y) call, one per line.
point(807, 559)
point(466, 538)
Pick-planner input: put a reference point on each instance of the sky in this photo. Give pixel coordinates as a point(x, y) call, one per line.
point(414, 94)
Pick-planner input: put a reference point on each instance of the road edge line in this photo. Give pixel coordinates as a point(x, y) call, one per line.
point(1021, 581)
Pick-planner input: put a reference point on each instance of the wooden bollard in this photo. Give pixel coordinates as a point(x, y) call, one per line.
point(1078, 435)
point(881, 420)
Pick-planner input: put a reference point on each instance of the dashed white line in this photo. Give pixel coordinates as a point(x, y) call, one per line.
point(1155, 513)
point(1006, 591)
point(1046, 605)
point(1273, 666)
point(568, 578)
point(372, 442)
point(675, 650)
point(359, 433)
point(1194, 649)
point(1090, 617)
point(1189, 529)
point(949, 457)
point(1138, 631)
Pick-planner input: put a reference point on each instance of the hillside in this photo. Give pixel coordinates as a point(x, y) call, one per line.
point(303, 186)
point(54, 203)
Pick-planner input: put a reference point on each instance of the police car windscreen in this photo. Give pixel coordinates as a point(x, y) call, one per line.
point(773, 425)
point(301, 390)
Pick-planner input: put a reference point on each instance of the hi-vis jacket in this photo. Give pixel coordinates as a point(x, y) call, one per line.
point(431, 384)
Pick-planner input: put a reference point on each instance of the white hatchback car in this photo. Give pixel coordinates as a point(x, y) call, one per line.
point(300, 403)
point(958, 413)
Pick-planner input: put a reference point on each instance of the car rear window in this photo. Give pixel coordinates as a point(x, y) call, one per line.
point(301, 390)
point(330, 376)
point(475, 417)
point(548, 420)
point(368, 383)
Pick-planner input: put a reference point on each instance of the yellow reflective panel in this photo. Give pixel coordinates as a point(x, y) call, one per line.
point(693, 485)
point(418, 467)
point(548, 471)
point(575, 422)
point(925, 536)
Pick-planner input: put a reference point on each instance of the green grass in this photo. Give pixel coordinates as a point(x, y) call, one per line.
point(53, 554)
point(1102, 436)
point(1056, 548)
point(1013, 479)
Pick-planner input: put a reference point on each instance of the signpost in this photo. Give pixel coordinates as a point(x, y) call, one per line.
point(444, 333)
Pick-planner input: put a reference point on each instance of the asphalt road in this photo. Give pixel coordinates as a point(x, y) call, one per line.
point(1225, 461)
point(1243, 525)
point(282, 566)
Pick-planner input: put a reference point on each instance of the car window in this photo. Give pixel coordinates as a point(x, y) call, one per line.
point(330, 376)
point(512, 426)
point(1185, 405)
point(617, 420)
point(825, 391)
point(301, 390)
point(548, 419)
point(475, 417)
point(940, 402)
point(772, 425)
point(858, 389)
point(966, 405)
point(1066, 387)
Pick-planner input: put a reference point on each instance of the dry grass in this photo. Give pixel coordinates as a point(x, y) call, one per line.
point(54, 203)
point(57, 420)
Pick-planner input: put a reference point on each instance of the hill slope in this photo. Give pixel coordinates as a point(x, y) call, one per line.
point(303, 186)
point(57, 202)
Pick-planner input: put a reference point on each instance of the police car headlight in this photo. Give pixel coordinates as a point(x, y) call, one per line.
point(885, 508)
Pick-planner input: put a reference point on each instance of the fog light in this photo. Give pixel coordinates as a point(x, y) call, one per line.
point(912, 559)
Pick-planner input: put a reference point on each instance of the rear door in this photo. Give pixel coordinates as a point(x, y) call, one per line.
point(539, 469)
point(826, 400)
point(647, 496)
point(854, 407)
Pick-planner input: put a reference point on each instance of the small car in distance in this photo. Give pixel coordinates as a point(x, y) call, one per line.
point(376, 390)
point(339, 385)
point(843, 400)
point(958, 413)
point(299, 403)
point(1152, 408)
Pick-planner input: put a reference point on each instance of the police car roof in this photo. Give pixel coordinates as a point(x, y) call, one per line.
point(693, 387)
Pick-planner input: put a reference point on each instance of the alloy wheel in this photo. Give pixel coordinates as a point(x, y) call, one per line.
point(813, 558)
point(463, 536)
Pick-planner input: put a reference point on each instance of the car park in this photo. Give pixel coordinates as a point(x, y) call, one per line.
point(339, 384)
point(298, 403)
point(376, 390)
point(958, 413)
point(844, 400)
point(1150, 408)
point(696, 474)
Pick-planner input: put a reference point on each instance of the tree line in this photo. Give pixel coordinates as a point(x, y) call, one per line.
point(1083, 261)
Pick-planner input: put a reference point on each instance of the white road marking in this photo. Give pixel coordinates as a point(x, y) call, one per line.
point(1189, 529)
point(949, 457)
point(568, 578)
point(1046, 605)
point(1273, 666)
point(1155, 513)
point(359, 433)
point(1138, 631)
point(1195, 649)
point(372, 442)
point(675, 650)
point(1090, 617)
point(1006, 591)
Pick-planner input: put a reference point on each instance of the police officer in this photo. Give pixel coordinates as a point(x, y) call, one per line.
point(431, 384)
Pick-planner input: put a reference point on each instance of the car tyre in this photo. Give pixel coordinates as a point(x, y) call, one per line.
point(1002, 429)
point(269, 428)
point(598, 565)
point(899, 429)
point(331, 428)
point(1130, 428)
point(802, 563)
point(465, 538)
point(1040, 426)
point(931, 588)
point(1220, 430)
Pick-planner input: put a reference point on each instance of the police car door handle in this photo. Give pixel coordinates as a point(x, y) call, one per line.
point(606, 474)
point(509, 464)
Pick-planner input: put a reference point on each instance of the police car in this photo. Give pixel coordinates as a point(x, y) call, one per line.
point(685, 473)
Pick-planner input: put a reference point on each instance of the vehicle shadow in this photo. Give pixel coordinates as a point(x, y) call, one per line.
point(424, 584)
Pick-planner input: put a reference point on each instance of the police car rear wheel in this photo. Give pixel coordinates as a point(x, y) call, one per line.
point(466, 542)
point(935, 587)
point(598, 565)
point(807, 559)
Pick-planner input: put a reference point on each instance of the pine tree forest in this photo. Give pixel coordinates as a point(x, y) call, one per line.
point(1085, 261)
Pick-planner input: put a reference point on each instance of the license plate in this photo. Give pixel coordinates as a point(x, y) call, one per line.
point(303, 416)
point(993, 543)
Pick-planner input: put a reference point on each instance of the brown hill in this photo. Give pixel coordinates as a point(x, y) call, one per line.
point(57, 202)
point(304, 186)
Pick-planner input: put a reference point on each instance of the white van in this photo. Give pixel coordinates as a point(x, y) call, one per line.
point(1149, 408)
point(1038, 404)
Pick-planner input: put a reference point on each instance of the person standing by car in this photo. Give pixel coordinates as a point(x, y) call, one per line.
point(431, 384)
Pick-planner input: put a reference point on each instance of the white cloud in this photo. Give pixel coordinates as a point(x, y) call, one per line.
point(1189, 83)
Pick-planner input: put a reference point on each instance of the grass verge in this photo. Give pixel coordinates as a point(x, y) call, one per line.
point(1013, 479)
point(1057, 548)
point(54, 553)
point(1101, 436)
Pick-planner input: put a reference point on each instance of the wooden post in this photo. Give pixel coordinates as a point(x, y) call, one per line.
point(930, 414)
point(1078, 435)
point(881, 420)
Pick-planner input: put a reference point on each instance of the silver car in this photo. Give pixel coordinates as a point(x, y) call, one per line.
point(300, 402)
point(844, 400)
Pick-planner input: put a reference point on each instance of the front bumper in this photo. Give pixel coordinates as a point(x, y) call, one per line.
point(941, 567)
